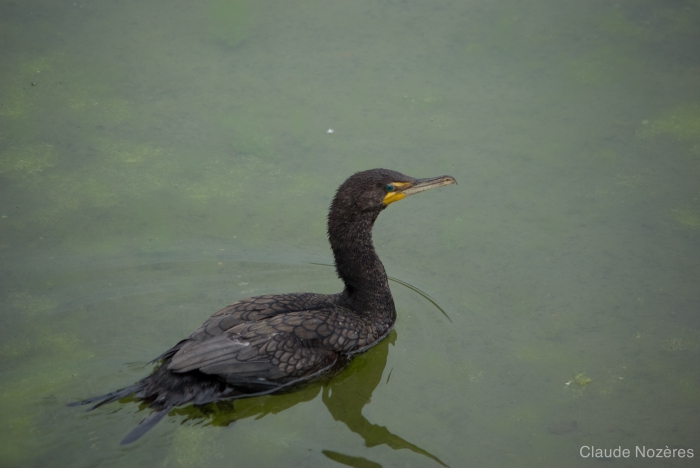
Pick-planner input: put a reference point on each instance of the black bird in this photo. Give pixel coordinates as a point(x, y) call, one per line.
point(272, 343)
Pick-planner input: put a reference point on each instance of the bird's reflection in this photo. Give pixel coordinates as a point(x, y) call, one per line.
point(344, 395)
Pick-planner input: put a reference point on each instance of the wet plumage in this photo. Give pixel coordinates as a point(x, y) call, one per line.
point(271, 343)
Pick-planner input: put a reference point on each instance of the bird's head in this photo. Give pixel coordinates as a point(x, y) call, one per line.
point(374, 189)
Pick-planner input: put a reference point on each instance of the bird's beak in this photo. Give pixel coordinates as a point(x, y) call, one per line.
point(404, 189)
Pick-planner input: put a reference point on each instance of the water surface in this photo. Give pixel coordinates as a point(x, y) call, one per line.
point(159, 160)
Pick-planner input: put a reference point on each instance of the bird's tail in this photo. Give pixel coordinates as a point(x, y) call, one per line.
point(109, 397)
point(162, 391)
point(146, 425)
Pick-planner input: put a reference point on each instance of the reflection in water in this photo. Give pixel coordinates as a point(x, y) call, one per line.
point(344, 395)
point(348, 393)
point(357, 462)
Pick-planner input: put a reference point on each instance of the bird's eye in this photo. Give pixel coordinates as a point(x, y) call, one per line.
point(389, 187)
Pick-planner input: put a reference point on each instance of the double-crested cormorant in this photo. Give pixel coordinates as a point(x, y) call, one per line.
point(266, 344)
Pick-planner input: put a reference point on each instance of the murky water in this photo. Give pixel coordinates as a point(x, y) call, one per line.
point(159, 160)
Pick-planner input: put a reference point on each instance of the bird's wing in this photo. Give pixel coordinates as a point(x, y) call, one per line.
point(255, 309)
point(279, 349)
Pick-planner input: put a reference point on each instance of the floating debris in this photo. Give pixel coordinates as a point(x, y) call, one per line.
point(582, 379)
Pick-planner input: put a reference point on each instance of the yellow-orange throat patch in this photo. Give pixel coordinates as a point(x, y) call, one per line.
point(391, 197)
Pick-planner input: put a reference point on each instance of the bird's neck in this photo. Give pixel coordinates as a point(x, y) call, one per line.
point(357, 264)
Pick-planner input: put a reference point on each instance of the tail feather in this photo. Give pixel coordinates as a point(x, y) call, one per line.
point(146, 425)
point(162, 391)
point(108, 397)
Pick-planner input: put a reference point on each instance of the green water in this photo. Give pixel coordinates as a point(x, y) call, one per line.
point(159, 160)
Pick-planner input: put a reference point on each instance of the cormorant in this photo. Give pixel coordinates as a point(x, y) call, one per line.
point(271, 343)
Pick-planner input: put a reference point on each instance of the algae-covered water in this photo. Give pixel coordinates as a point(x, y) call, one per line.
point(161, 159)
